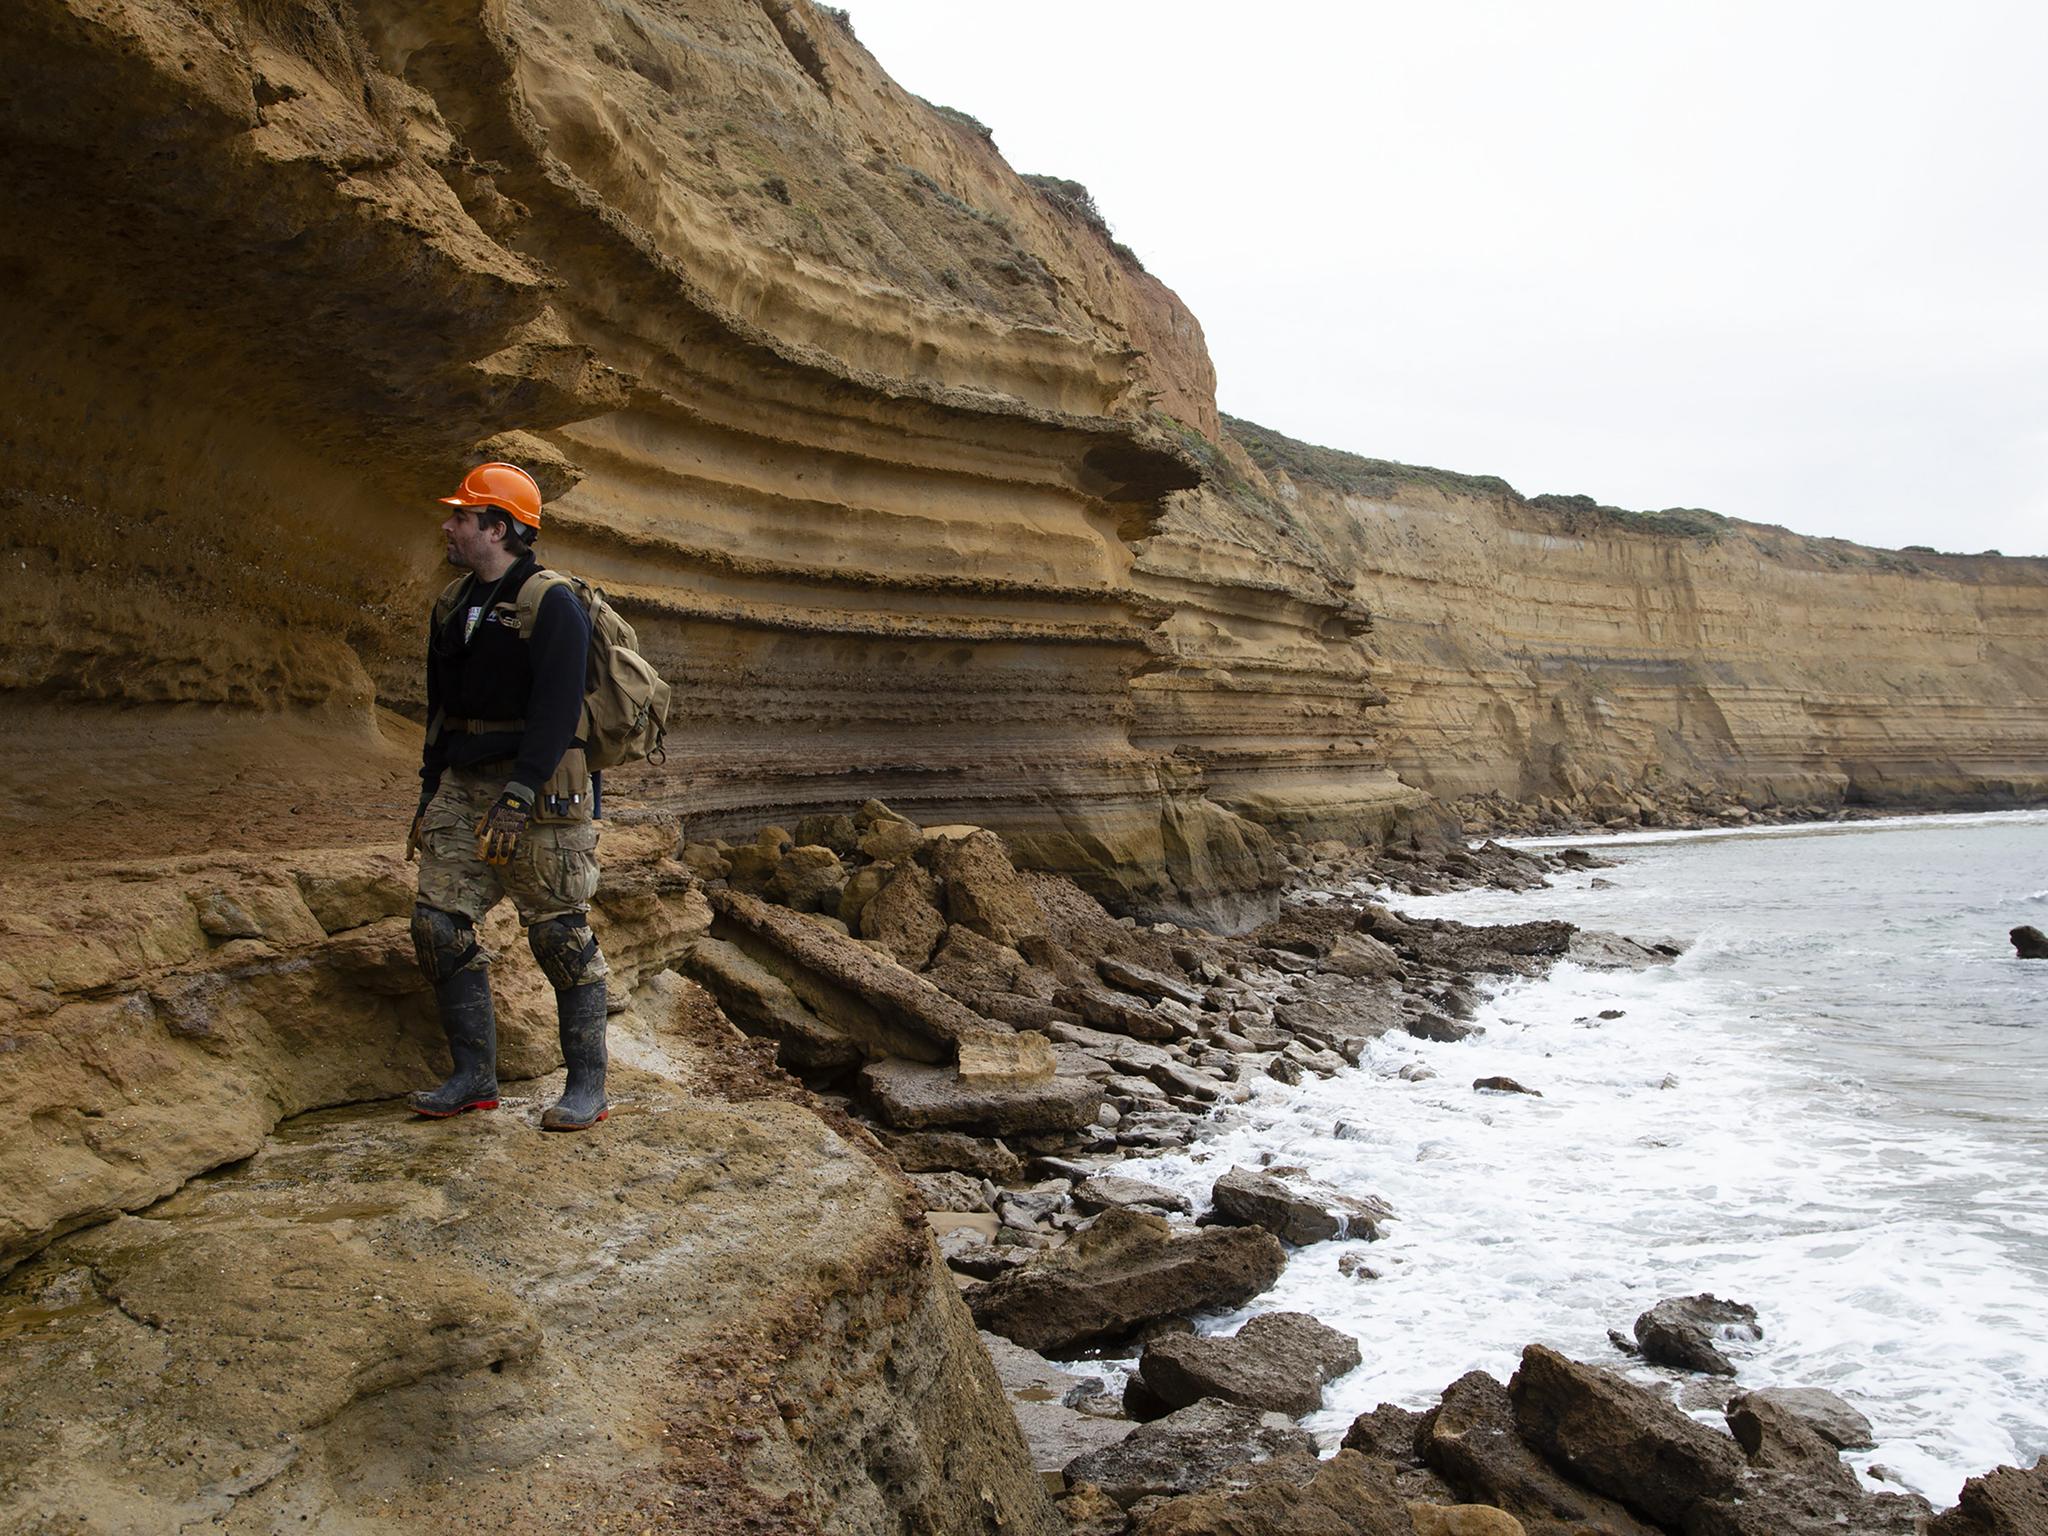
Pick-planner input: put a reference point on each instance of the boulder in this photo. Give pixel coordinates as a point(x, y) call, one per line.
point(1147, 983)
point(1502, 1085)
point(1388, 1433)
point(904, 918)
point(949, 1191)
point(1278, 1360)
point(862, 887)
point(2029, 943)
point(1026, 1208)
point(2007, 1502)
point(938, 1151)
point(1126, 1270)
point(707, 861)
point(1113, 1012)
point(1297, 1210)
point(895, 1011)
point(1297, 1495)
point(1362, 957)
point(1827, 1415)
point(891, 841)
point(751, 866)
point(1775, 1438)
point(983, 889)
point(1111, 1191)
point(761, 1002)
point(1187, 1451)
point(970, 966)
point(836, 832)
point(1620, 1440)
point(1470, 1440)
point(1680, 1331)
point(807, 880)
point(1434, 1026)
point(991, 1059)
point(912, 1095)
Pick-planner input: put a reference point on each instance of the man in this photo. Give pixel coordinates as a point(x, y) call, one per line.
point(507, 803)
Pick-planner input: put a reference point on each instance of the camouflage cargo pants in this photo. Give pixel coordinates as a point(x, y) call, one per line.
point(554, 870)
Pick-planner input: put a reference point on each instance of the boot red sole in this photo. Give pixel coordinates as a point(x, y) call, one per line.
point(450, 1114)
point(580, 1125)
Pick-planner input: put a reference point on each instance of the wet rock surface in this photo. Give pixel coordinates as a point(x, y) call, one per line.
point(2007, 1502)
point(1278, 1361)
point(1831, 1417)
point(1126, 1270)
point(1294, 1207)
point(1684, 1331)
point(1187, 1451)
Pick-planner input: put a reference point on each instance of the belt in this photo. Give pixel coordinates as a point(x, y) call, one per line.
point(484, 727)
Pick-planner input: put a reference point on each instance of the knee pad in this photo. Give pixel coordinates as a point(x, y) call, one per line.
point(565, 948)
point(445, 942)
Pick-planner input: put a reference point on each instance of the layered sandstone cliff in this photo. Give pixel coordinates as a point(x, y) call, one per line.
point(1551, 647)
point(861, 429)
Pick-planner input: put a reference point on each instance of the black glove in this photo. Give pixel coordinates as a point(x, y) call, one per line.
point(498, 834)
point(415, 835)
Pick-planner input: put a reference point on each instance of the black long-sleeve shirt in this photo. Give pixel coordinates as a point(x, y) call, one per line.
point(479, 669)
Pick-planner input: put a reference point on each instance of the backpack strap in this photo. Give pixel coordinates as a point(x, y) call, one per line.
point(449, 600)
point(444, 609)
point(526, 606)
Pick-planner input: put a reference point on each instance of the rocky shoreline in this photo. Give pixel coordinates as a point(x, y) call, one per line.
point(1125, 1040)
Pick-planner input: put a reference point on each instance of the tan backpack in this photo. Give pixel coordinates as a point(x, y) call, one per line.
point(625, 702)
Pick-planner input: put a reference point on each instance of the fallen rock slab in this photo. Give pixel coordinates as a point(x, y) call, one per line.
point(912, 1008)
point(1105, 1191)
point(1278, 1360)
point(761, 1002)
point(1129, 1269)
point(911, 1095)
point(938, 1151)
point(1187, 1451)
point(1295, 1209)
point(1131, 977)
point(1680, 1331)
point(1620, 1440)
point(1470, 1440)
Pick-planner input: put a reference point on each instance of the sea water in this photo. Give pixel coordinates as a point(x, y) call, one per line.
point(1831, 1107)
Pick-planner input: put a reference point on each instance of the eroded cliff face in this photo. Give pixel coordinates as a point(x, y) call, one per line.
point(858, 427)
point(1552, 648)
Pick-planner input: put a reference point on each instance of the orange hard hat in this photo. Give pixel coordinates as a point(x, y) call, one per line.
point(505, 486)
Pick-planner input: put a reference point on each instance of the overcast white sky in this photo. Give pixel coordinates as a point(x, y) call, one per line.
point(1787, 261)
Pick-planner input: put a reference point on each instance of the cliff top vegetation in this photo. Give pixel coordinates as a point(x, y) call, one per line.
point(1360, 476)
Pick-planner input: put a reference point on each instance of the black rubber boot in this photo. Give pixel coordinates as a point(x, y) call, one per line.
point(472, 1031)
point(582, 1102)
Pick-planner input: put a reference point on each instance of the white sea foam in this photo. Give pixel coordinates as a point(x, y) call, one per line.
point(1727, 1133)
